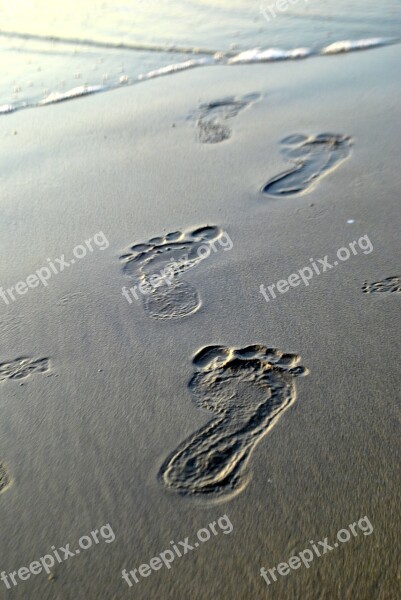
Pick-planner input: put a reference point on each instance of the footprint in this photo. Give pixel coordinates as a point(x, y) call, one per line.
point(211, 119)
point(70, 298)
point(157, 265)
point(5, 478)
point(22, 367)
point(19, 369)
point(388, 285)
point(247, 390)
point(313, 158)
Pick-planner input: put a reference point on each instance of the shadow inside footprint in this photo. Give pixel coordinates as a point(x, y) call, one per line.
point(157, 267)
point(212, 118)
point(388, 285)
point(313, 158)
point(247, 390)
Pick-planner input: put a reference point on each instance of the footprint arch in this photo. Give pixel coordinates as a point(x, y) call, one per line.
point(247, 390)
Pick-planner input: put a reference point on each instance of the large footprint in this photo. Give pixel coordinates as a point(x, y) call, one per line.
point(247, 389)
point(212, 117)
point(313, 158)
point(170, 298)
point(19, 368)
point(388, 285)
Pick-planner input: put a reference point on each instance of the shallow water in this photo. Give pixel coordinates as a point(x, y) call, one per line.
point(51, 48)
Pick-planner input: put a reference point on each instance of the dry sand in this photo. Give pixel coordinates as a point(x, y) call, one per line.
point(84, 446)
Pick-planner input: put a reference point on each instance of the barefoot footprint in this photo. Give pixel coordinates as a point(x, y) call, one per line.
point(313, 158)
point(211, 121)
point(5, 479)
point(22, 367)
point(247, 390)
point(19, 369)
point(165, 297)
point(388, 285)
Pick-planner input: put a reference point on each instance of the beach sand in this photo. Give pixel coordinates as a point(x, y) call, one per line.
point(85, 440)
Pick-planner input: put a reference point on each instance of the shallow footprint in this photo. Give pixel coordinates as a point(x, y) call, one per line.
point(313, 158)
point(23, 367)
point(5, 479)
point(247, 390)
point(388, 285)
point(174, 302)
point(212, 116)
point(167, 258)
point(19, 369)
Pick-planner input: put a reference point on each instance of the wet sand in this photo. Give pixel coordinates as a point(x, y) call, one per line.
point(84, 442)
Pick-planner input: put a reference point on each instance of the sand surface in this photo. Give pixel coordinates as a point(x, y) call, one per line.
point(84, 441)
